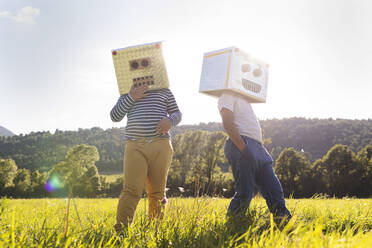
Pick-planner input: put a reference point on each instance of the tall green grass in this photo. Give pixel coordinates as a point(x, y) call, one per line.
point(188, 222)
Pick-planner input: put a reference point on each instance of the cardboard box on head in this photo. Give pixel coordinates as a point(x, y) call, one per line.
point(231, 69)
point(140, 65)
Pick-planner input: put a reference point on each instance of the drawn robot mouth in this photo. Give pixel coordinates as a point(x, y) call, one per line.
point(251, 86)
point(148, 80)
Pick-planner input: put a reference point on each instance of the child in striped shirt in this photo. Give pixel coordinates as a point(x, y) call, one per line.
point(148, 150)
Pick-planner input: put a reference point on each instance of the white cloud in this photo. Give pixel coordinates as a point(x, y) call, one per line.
point(5, 14)
point(24, 15)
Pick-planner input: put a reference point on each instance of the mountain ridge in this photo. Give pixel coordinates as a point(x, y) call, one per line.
point(5, 132)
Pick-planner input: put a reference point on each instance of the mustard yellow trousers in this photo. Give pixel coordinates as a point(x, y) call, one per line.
point(146, 161)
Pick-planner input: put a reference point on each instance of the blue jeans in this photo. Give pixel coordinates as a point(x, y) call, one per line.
point(253, 168)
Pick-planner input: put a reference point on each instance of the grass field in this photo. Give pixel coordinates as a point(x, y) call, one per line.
point(189, 222)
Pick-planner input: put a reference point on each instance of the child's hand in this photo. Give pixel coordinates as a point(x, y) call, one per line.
point(163, 126)
point(138, 92)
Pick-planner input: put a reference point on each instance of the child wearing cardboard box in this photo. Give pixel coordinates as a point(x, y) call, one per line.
point(238, 80)
point(151, 110)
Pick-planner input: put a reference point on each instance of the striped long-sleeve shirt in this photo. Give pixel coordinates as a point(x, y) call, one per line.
point(143, 115)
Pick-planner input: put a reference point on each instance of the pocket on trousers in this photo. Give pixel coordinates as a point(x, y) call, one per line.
point(266, 155)
point(171, 147)
point(168, 146)
point(232, 153)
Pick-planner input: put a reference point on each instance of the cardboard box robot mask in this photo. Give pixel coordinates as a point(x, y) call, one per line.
point(140, 65)
point(233, 70)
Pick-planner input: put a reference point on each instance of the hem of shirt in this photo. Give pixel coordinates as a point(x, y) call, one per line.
point(250, 137)
point(148, 137)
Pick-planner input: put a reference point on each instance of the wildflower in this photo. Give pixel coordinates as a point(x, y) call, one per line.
point(224, 190)
point(166, 189)
point(181, 189)
point(164, 200)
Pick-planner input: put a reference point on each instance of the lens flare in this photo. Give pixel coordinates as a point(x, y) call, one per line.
point(53, 184)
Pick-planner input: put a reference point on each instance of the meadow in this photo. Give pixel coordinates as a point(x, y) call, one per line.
point(188, 222)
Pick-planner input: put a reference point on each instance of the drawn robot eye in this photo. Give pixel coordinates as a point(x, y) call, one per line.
point(134, 65)
point(144, 63)
point(246, 68)
point(257, 72)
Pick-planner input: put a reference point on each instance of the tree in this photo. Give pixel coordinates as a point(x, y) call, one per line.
point(88, 184)
point(317, 182)
point(77, 162)
point(213, 154)
point(197, 155)
point(22, 182)
point(38, 181)
point(187, 147)
point(364, 157)
point(197, 175)
point(343, 172)
point(293, 169)
point(8, 170)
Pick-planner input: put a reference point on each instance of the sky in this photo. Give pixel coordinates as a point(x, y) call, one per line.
point(56, 68)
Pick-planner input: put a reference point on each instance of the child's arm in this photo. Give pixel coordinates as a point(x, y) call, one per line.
point(175, 115)
point(228, 123)
point(126, 101)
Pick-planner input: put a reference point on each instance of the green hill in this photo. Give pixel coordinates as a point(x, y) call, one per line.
point(42, 150)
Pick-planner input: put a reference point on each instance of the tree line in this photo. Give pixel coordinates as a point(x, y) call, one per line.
point(198, 168)
point(42, 150)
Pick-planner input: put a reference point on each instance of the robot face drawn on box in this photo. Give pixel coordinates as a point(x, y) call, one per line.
point(140, 65)
point(249, 73)
point(232, 70)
